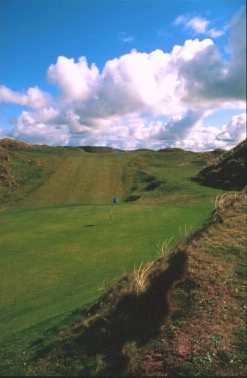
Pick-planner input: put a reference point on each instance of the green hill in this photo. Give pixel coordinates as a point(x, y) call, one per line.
point(44, 176)
point(62, 243)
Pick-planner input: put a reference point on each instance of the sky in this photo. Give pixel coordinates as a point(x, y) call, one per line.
point(123, 73)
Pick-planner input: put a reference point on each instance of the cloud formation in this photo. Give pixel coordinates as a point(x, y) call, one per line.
point(199, 25)
point(2, 133)
point(75, 79)
point(201, 138)
point(157, 99)
point(33, 97)
point(126, 38)
point(212, 78)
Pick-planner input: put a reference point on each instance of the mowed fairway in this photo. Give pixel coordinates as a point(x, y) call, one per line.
point(59, 247)
point(84, 178)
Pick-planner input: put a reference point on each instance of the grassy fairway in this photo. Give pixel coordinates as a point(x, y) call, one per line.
point(82, 178)
point(58, 246)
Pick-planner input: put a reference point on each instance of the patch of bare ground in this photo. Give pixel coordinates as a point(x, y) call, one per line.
point(206, 331)
point(6, 179)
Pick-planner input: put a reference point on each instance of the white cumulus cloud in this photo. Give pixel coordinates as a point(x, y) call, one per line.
point(234, 131)
point(201, 138)
point(33, 97)
point(76, 79)
point(156, 99)
point(31, 129)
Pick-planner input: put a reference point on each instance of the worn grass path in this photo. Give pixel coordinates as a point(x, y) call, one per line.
point(82, 178)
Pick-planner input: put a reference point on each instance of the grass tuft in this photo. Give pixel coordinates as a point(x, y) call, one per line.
point(141, 275)
point(165, 247)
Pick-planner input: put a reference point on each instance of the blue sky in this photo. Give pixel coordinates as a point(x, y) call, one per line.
point(34, 33)
point(38, 31)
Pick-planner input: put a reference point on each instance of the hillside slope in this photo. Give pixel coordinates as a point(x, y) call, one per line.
point(23, 168)
point(188, 318)
point(6, 146)
point(62, 240)
point(82, 178)
point(229, 171)
point(44, 176)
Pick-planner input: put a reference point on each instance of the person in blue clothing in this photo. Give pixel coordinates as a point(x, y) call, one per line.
point(114, 200)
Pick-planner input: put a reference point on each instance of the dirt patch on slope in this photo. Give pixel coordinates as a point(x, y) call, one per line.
point(200, 338)
point(11, 144)
point(6, 178)
point(229, 171)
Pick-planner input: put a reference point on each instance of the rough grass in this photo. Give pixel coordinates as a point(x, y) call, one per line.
point(206, 332)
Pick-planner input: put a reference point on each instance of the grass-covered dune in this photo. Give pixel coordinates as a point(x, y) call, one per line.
point(228, 171)
point(62, 243)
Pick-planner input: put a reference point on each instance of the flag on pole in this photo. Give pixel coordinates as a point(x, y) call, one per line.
point(114, 201)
